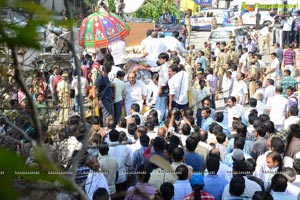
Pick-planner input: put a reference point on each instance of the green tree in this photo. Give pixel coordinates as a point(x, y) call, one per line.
point(155, 8)
point(93, 3)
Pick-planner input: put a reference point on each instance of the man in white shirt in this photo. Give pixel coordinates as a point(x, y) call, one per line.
point(240, 90)
point(217, 49)
point(274, 68)
point(95, 178)
point(153, 48)
point(269, 90)
point(178, 89)
point(118, 50)
point(113, 72)
point(258, 89)
point(276, 108)
point(162, 96)
point(227, 84)
point(135, 92)
point(118, 88)
point(293, 117)
point(173, 44)
point(123, 159)
point(239, 167)
point(145, 41)
point(287, 27)
point(244, 61)
point(109, 166)
point(84, 85)
point(234, 110)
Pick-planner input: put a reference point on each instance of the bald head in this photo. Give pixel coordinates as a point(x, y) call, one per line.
point(161, 132)
point(214, 153)
point(278, 89)
point(132, 78)
point(130, 120)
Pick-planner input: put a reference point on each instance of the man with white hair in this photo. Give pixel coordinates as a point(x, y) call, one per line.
point(135, 92)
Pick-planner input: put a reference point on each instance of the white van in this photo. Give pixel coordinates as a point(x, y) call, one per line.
point(248, 9)
point(202, 20)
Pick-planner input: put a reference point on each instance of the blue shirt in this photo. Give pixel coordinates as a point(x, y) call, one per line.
point(247, 147)
point(282, 196)
point(182, 188)
point(213, 184)
point(195, 160)
point(206, 122)
point(137, 158)
point(102, 83)
point(81, 175)
point(202, 60)
point(225, 128)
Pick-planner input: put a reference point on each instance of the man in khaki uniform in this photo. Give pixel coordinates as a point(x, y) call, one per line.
point(234, 56)
point(253, 76)
point(187, 20)
point(221, 61)
point(231, 41)
point(228, 54)
point(63, 91)
point(207, 53)
point(265, 40)
point(214, 23)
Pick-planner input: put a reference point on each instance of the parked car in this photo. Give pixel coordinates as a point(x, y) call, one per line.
point(167, 29)
point(202, 20)
point(222, 35)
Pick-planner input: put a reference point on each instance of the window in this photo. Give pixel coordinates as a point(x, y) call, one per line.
point(220, 34)
point(210, 14)
point(202, 14)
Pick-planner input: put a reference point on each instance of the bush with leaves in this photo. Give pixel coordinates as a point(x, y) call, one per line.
point(14, 173)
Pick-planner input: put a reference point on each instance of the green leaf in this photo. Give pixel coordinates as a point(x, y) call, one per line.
point(13, 167)
point(9, 163)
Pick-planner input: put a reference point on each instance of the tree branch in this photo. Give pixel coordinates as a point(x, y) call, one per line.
point(36, 122)
point(18, 129)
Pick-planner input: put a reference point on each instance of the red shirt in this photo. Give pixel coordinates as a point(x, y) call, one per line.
point(289, 57)
point(56, 81)
point(84, 71)
point(204, 196)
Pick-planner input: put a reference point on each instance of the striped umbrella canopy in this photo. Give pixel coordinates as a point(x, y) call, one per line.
point(101, 29)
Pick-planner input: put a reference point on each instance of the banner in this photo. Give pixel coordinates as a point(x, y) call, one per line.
point(203, 3)
point(188, 4)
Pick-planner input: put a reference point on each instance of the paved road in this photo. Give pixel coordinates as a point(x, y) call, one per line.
point(199, 37)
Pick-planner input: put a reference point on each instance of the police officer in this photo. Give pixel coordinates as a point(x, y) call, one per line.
point(253, 76)
point(207, 53)
point(213, 23)
point(222, 60)
point(234, 56)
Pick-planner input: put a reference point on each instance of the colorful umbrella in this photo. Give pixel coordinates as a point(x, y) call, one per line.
point(100, 29)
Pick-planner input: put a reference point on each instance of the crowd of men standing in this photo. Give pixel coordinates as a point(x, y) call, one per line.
point(249, 149)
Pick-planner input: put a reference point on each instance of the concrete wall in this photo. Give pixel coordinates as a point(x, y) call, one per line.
point(137, 33)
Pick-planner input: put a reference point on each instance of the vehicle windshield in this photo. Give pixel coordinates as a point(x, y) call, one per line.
point(220, 34)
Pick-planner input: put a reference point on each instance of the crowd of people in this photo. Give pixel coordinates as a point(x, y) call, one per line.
point(167, 139)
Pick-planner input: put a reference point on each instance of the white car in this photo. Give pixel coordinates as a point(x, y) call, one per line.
point(222, 35)
point(202, 20)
